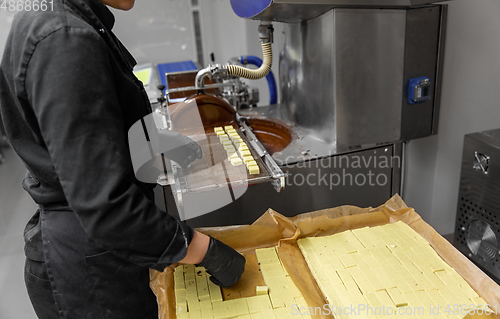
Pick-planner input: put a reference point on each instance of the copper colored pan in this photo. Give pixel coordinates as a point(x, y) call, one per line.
point(274, 136)
point(200, 113)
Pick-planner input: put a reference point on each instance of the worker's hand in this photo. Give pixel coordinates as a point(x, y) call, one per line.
point(224, 263)
point(179, 148)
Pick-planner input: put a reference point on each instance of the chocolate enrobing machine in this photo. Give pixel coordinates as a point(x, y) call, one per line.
point(356, 80)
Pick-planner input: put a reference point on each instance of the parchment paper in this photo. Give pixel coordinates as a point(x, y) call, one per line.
point(274, 229)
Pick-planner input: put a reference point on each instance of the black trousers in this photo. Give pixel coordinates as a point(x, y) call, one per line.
point(79, 279)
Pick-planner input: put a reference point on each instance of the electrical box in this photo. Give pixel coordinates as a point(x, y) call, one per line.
point(477, 230)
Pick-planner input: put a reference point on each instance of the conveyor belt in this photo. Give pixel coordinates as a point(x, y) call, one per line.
point(214, 170)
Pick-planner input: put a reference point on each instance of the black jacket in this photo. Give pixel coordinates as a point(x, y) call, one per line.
point(67, 98)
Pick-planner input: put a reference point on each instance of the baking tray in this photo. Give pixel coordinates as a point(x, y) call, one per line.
point(273, 229)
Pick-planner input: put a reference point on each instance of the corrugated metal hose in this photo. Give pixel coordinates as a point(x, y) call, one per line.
point(256, 74)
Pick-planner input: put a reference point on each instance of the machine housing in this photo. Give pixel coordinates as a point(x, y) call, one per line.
point(344, 74)
point(477, 229)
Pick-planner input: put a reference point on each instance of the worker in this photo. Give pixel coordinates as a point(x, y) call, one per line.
point(67, 99)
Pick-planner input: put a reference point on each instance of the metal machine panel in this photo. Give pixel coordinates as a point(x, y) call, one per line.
point(440, 66)
point(341, 75)
point(477, 230)
point(421, 56)
point(306, 75)
point(369, 59)
point(306, 191)
point(292, 11)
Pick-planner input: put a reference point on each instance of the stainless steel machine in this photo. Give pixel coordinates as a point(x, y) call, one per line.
point(477, 229)
point(357, 78)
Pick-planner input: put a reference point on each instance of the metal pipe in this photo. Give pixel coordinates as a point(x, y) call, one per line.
point(271, 82)
point(221, 71)
point(201, 76)
point(258, 73)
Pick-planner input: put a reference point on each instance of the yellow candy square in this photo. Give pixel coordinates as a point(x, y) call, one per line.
point(236, 161)
point(248, 159)
point(232, 155)
point(261, 290)
point(245, 153)
point(253, 170)
point(223, 138)
point(251, 163)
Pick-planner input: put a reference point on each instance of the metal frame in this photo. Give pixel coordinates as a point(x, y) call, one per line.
point(293, 11)
point(421, 59)
point(440, 66)
point(296, 199)
point(277, 175)
point(398, 174)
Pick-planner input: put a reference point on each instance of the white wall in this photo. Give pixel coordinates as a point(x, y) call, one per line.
point(157, 31)
point(161, 31)
point(470, 103)
point(223, 31)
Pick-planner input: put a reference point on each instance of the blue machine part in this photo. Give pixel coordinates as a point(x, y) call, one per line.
point(419, 90)
point(174, 67)
point(248, 9)
point(271, 82)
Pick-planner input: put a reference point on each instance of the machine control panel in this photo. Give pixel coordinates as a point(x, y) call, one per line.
point(419, 90)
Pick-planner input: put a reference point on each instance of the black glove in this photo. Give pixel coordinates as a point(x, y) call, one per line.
point(178, 148)
point(224, 263)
